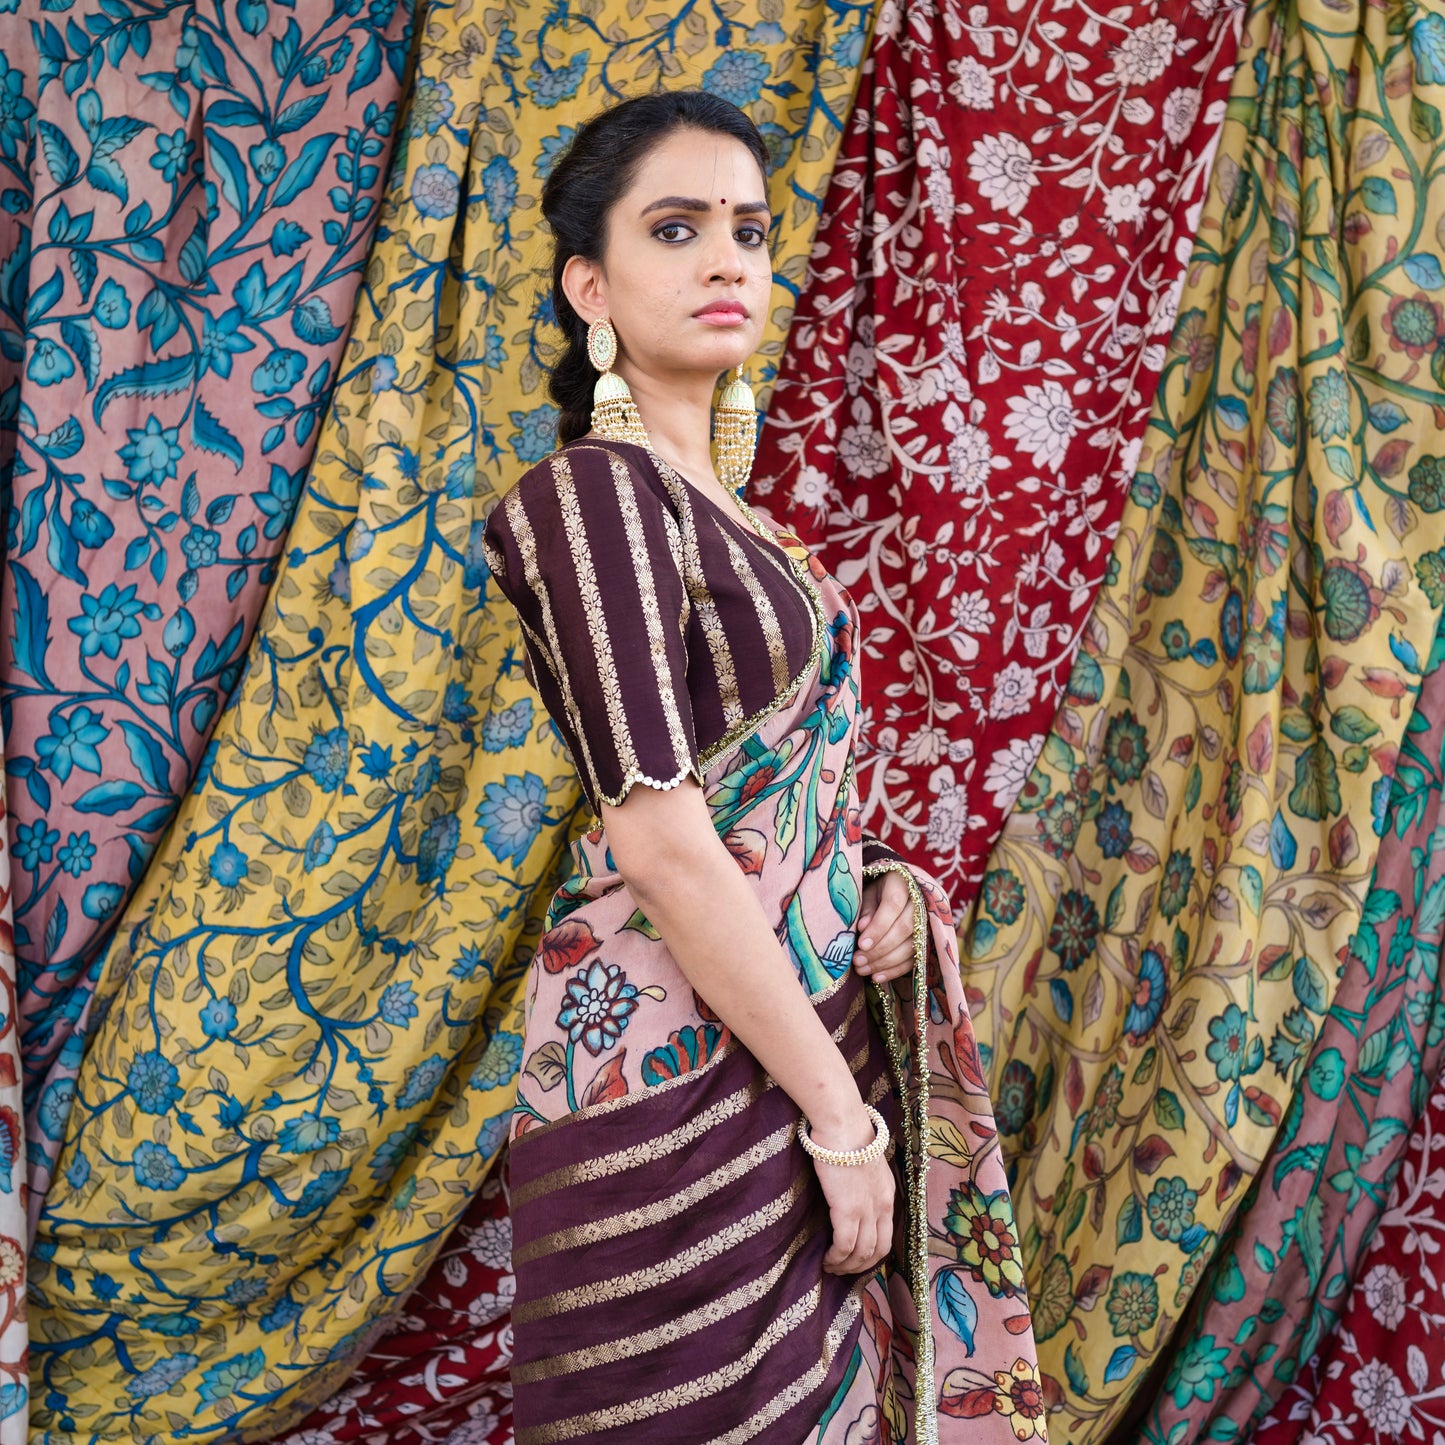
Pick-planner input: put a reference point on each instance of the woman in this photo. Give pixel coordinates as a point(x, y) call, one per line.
point(744, 1209)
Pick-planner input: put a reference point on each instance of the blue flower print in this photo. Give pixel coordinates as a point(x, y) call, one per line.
point(492, 1133)
point(267, 160)
point(847, 49)
point(221, 339)
point(392, 1150)
point(107, 620)
point(246, 1291)
point(738, 76)
point(536, 433)
point(153, 1082)
point(35, 844)
point(89, 525)
point(1116, 830)
point(284, 1312)
point(179, 633)
point(321, 1191)
point(278, 373)
point(100, 900)
point(499, 1065)
point(173, 154)
point(499, 188)
point(438, 847)
point(383, 374)
point(173, 1326)
point(1151, 993)
point(112, 306)
point(1427, 42)
point(77, 1172)
point(551, 86)
point(360, 539)
point(152, 452)
point(554, 147)
point(508, 727)
point(456, 704)
point(779, 142)
point(54, 1107)
point(494, 354)
point(202, 546)
point(338, 581)
point(72, 743)
point(510, 815)
point(15, 109)
point(431, 106)
point(229, 865)
point(461, 478)
point(77, 853)
point(599, 1005)
point(435, 190)
point(325, 759)
point(468, 962)
point(766, 32)
point(398, 1004)
point(320, 847)
point(421, 1081)
point(288, 238)
point(218, 1018)
point(161, 1376)
point(157, 1168)
point(306, 1136)
point(104, 1288)
point(228, 1376)
point(476, 572)
point(426, 778)
point(1229, 1036)
point(49, 363)
point(377, 762)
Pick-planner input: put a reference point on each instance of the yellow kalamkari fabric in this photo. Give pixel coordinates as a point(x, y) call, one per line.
point(1161, 928)
point(306, 1039)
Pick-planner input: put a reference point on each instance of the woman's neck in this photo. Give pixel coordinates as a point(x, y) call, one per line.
point(678, 418)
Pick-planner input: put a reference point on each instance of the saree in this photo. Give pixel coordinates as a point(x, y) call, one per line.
point(668, 1227)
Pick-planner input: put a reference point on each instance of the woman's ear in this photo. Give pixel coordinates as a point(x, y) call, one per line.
point(584, 288)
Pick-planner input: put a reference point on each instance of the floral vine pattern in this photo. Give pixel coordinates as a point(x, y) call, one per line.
point(1160, 931)
point(189, 194)
point(960, 408)
point(1380, 1377)
point(303, 1055)
point(1287, 1260)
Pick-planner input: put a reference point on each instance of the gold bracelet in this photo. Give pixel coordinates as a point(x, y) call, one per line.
point(848, 1158)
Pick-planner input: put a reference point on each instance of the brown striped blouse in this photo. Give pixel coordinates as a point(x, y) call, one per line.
point(660, 628)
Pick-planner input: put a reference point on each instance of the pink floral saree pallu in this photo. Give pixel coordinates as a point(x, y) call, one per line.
point(669, 1229)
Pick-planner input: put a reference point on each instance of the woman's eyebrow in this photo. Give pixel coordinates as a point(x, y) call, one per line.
point(692, 203)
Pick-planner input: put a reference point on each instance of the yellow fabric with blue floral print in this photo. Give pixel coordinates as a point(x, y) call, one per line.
point(306, 1038)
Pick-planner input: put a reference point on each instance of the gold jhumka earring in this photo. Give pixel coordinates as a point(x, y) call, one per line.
point(615, 415)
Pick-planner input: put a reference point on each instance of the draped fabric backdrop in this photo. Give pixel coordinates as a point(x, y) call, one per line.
point(194, 191)
point(1160, 930)
point(305, 1042)
point(996, 269)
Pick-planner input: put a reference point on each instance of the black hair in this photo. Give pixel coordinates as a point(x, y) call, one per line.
point(584, 185)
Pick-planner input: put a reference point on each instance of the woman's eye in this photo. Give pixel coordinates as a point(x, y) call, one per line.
point(672, 231)
point(752, 236)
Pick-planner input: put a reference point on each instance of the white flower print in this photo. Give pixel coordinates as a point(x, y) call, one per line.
point(1009, 770)
point(970, 460)
point(972, 87)
point(1013, 691)
point(811, 488)
point(863, 451)
point(1123, 204)
point(1381, 1398)
point(1144, 54)
point(1181, 107)
point(1385, 1295)
point(477, 1430)
point(1003, 168)
point(491, 1242)
point(947, 818)
point(1042, 422)
point(972, 612)
point(924, 748)
point(486, 1308)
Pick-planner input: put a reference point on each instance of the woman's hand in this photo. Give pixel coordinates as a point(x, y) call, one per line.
point(860, 1208)
point(885, 929)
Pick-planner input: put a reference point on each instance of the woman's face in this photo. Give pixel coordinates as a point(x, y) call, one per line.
point(686, 278)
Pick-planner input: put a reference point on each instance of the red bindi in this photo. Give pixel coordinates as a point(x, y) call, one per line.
point(723, 202)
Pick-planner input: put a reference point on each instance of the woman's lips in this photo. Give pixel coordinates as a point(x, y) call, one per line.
point(726, 313)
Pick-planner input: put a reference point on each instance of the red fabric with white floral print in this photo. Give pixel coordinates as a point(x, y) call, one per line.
point(1381, 1375)
point(996, 270)
point(441, 1376)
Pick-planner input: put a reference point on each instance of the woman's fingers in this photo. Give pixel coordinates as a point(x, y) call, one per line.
point(892, 952)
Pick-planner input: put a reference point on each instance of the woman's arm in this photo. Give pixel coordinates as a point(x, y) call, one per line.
point(692, 891)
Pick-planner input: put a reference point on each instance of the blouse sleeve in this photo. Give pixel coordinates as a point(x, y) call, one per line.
point(590, 557)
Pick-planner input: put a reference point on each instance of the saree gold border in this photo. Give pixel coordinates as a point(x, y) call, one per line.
point(690, 1323)
point(594, 1231)
point(649, 1151)
point(526, 540)
point(622, 1286)
point(611, 1106)
point(694, 1391)
point(916, 1157)
point(804, 1385)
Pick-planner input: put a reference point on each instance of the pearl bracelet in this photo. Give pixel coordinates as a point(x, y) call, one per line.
point(848, 1158)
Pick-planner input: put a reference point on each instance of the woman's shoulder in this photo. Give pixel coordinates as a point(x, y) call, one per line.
point(578, 470)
